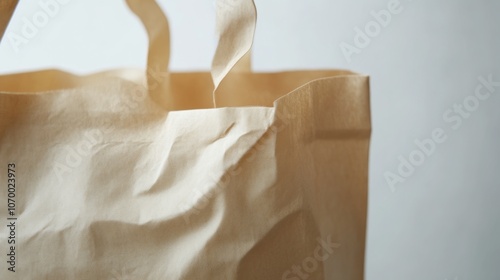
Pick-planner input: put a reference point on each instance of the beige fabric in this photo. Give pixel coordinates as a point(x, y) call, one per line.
point(124, 175)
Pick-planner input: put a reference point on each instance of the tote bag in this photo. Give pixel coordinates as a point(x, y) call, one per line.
point(149, 174)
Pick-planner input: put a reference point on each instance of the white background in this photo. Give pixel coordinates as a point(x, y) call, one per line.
point(443, 221)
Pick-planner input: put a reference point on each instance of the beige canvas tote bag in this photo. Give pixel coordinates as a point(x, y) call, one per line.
point(149, 174)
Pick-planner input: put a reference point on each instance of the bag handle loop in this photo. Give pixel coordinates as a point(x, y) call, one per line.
point(149, 13)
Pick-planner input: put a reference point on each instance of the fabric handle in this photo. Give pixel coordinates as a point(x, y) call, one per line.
point(236, 22)
point(7, 8)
